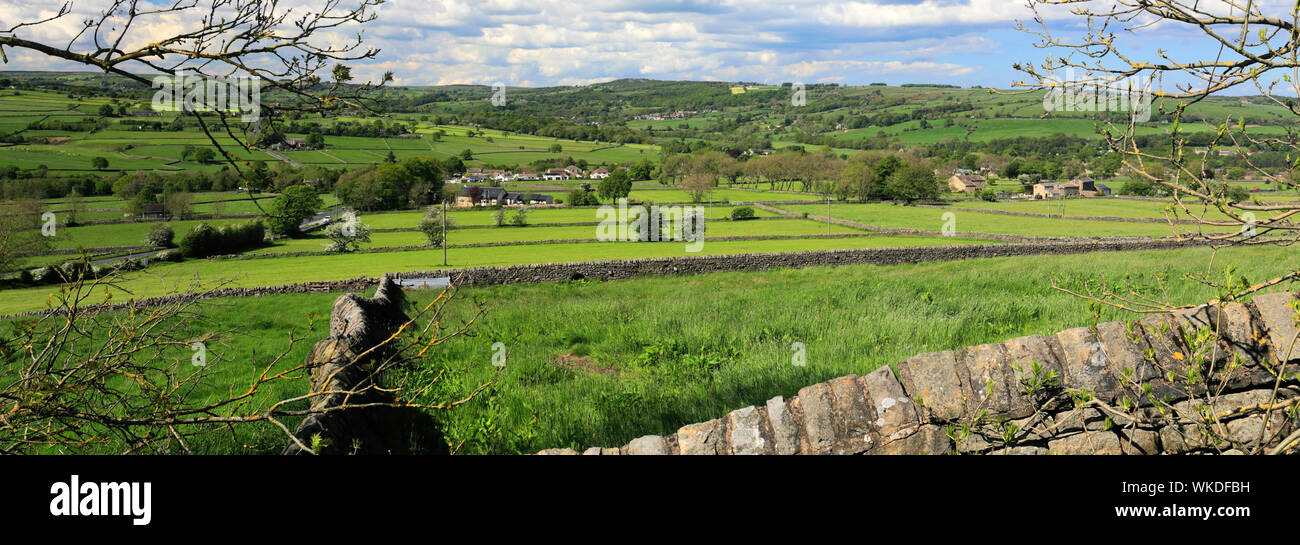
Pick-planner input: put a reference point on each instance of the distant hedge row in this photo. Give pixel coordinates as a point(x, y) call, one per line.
point(205, 240)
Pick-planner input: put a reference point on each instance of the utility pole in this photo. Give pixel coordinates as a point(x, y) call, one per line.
point(444, 232)
point(828, 213)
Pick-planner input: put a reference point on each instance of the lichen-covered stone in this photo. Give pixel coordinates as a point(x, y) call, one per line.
point(1090, 442)
point(747, 433)
point(1022, 353)
point(818, 411)
point(648, 445)
point(935, 381)
point(1135, 441)
point(700, 439)
point(894, 410)
point(1121, 343)
point(853, 416)
point(1087, 367)
point(929, 439)
point(785, 431)
point(1280, 325)
point(1027, 450)
point(559, 452)
point(987, 365)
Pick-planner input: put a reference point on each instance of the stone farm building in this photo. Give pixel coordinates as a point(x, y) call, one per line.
point(1078, 187)
point(969, 183)
point(496, 196)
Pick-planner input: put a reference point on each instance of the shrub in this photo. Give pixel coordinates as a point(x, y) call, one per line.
point(204, 240)
point(45, 275)
point(520, 217)
point(580, 197)
point(742, 213)
point(160, 236)
point(989, 195)
point(346, 236)
point(169, 255)
point(71, 271)
point(499, 216)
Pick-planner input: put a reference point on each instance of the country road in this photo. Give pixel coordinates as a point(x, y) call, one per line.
point(277, 155)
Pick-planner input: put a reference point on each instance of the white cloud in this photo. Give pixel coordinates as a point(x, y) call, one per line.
point(546, 42)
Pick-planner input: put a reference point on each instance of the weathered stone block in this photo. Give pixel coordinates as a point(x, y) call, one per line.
point(1238, 327)
point(929, 439)
point(935, 381)
point(853, 416)
point(1075, 420)
point(648, 445)
point(973, 442)
point(748, 435)
point(1125, 354)
point(989, 364)
point(785, 431)
point(558, 452)
point(1138, 441)
point(701, 439)
point(1019, 451)
point(818, 415)
point(1022, 353)
point(1180, 438)
point(1087, 366)
point(1165, 347)
point(1090, 442)
point(894, 410)
point(1245, 431)
point(1280, 325)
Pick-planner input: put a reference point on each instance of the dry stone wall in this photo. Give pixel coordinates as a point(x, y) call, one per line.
point(1220, 378)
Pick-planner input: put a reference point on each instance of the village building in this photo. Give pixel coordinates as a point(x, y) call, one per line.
point(496, 196)
point(969, 183)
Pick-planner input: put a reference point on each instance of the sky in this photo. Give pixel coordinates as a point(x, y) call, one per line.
point(546, 42)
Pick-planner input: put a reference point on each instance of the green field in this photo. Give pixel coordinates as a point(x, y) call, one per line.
point(166, 278)
point(622, 376)
point(931, 219)
point(409, 220)
point(731, 335)
point(775, 227)
point(1109, 208)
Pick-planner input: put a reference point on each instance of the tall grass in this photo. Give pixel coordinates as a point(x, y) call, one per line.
point(598, 364)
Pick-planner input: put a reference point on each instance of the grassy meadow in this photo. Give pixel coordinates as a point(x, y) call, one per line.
point(606, 362)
